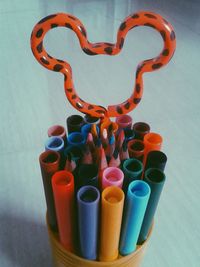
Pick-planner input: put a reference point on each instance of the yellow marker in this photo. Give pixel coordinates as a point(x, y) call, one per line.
point(112, 203)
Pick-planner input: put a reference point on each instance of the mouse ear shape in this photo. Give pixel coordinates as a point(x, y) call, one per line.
point(144, 18)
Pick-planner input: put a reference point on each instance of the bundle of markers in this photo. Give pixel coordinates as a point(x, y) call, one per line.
point(102, 184)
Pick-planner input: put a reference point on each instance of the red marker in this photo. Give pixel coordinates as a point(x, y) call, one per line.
point(124, 121)
point(136, 149)
point(63, 190)
point(49, 164)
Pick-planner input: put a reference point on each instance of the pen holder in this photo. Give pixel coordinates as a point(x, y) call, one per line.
point(64, 258)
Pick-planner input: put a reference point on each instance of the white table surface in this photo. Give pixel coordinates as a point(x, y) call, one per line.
point(32, 99)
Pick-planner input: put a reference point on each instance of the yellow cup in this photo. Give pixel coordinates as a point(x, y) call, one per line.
point(64, 258)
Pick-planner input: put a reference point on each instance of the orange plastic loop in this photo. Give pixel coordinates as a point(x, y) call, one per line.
point(144, 18)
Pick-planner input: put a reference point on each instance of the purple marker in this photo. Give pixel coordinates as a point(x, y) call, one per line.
point(88, 198)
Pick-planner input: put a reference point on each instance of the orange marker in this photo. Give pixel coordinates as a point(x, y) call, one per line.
point(152, 141)
point(112, 203)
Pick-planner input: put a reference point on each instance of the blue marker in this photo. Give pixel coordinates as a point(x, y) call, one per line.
point(135, 206)
point(91, 120)
point(88, 198)
point(54, 143)
point(76, 139)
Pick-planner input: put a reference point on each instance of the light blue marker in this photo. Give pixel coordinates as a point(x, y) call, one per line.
point(54, 143)
point(135, 206)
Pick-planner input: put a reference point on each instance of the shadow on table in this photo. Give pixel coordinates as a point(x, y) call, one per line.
point(23, 242)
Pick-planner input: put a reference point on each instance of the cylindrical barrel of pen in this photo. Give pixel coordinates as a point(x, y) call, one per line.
point(76, 139)
point(74, 123)
point(152, 141)
point(56, 143)
point(88, 198)
point(87, 175)
point(63, 190)
point(49, 164)
point(155, 179)
point(91, 120)
point(112, 176)
point(124, 121)
point(57, 130)
point(136, 149)
point(135, 205)
point(132, 169)
point(112, 202)
point(141, 129)
point(156, 159)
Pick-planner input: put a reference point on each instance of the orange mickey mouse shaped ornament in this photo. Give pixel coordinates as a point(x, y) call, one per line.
point(144, 18)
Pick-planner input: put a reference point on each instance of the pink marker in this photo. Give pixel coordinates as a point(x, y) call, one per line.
point(57, 130)
point(124, 121)
point(112, 176)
